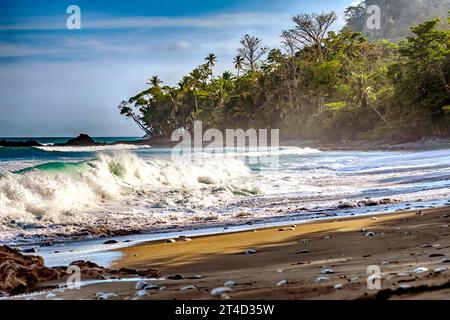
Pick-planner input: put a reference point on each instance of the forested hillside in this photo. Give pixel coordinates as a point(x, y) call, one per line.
point(321, 85)
point(397, 16)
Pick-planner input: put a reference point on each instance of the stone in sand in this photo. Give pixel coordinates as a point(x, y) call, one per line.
point(105, 295)
point(171, 241)
point(188, 288)
point(229, 283)
point(220, 291)
point(370, 234)
point(327, 271)
point(141, 285)
point(440, 269)
point(338, 286)
point(420, 270)
point(322, 279)
point(282, 283)
point(445, 260)
point(141, 293)
point(187, 239)
point(250, 251)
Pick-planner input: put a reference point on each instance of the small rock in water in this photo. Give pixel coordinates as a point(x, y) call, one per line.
point(420, 270)
point(111, 242)
point(141, 293)
point(326, 238)
point(327, 271)
point(250, 251)
point(171, 241)
point(51, 295)
point(322, 279)
point(220, 291)
point(440, 269)
point(229, 283)
point(427, 246)
point(370, 234)
point(282, 283)
point(31, 250)
point(188, 288)
point(338, 286)
point(445, 260)
point(304, 251)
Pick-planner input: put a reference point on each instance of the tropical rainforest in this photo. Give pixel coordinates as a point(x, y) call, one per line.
point(353, 84)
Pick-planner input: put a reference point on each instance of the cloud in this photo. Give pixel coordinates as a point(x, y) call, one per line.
point(144, 22)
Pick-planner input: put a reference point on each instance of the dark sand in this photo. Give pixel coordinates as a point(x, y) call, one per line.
point(403, 242)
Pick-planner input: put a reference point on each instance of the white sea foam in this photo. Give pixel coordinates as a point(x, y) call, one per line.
point(93, 148)
point(42, 197)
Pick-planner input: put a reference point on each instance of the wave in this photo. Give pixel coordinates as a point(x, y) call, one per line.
point(59, 192)
point(109, 147)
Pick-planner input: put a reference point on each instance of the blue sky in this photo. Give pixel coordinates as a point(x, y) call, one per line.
point(60, 82)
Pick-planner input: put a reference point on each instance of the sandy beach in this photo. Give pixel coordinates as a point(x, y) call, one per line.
point(319, 260)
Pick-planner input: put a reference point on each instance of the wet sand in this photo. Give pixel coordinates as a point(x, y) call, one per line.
point(401, 243)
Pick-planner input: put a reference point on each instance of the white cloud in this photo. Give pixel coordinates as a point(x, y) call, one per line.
point(209, 21)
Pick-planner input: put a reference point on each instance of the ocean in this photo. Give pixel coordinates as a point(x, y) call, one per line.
point(80, 192)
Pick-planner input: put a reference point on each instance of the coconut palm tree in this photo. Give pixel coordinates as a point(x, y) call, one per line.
point(238, 63)
point(211, 60)
point(154, 81)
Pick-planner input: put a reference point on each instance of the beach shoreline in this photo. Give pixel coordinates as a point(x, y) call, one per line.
point(315, 260)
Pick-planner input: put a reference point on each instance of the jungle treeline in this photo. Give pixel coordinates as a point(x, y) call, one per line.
point(317, 84)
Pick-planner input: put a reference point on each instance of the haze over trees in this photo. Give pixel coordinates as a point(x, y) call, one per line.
point(319, 84)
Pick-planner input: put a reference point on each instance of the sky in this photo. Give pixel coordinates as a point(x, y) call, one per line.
point(60, 82)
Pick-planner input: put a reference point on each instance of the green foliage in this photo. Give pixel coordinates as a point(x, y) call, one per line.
point(346, 88)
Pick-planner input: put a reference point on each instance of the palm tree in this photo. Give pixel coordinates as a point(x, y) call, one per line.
point(364, 93)
point(211, 60)
point(126, 110)
point(238, 63)
point(154, 81)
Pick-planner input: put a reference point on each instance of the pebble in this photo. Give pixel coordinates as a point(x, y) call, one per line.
point(326, 238)
point(225, 297)
point(105, 296)
point(370, 234)
point(282, 283)
point(187, 288)
point(404, 286)
point(187, 239)
point(445, 260)
point(250, 251)
point(338, 286)
point(322, 279)
point(229, 283)
point(51, 295)
point(420, 270)
point(402, 274)
point(327, 271)
point(141, 285)
point(440, 269)
point(220, 291)
point(141, 293)
point(171, 241)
